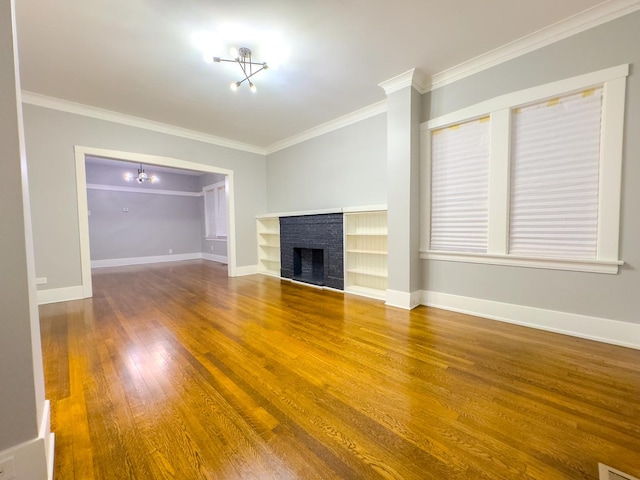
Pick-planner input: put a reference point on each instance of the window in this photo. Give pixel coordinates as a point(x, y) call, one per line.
point(531, 178)
point(554, 177)
point(215, 208)
point(460, 187)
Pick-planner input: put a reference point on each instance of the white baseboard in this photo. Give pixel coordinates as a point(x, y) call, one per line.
point(406, 300)
point(55, 295)
point(120, 262)
point(215, 258)
point(246, 270)
point(49, 438)
point(592, 328)
point(33, 459)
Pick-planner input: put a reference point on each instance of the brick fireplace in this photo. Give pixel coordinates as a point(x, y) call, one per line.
point(311, 249)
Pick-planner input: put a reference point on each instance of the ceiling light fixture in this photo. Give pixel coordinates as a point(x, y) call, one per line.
point(142, 176)
point(242, 56)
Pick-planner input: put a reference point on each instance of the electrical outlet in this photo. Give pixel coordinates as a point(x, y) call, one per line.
point(211, 247)
point(171, 250)
point(7, 471)
point(41, 280)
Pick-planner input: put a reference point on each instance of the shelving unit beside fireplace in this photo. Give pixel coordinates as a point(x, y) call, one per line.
point(366, 253)
point(269, 245)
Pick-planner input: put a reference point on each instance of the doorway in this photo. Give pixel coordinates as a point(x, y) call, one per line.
point(81, 154)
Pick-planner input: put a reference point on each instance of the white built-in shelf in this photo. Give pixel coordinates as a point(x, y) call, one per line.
point(369, 234)
point(369, 252)
point(268, 229)
point(367, 292)
point(368, 273)
point(366, 253)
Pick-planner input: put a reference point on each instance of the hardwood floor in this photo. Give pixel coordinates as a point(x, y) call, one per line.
point(176, 371)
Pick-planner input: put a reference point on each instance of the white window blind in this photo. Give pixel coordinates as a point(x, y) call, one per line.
point(215, 204)
point(555, 177)
point(460, 187)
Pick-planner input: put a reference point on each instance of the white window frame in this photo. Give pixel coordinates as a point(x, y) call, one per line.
point(613, 81)
point(216, 187)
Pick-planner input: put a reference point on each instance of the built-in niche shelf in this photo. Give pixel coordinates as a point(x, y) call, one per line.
point(269, 245)
point(366, 253)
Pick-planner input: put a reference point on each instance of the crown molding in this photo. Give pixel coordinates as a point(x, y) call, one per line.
point(123, 119)
point(152, 191)
point(411, 78)
point(340, 122)
point(590, 18)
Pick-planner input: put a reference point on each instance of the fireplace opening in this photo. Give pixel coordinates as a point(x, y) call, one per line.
point(308, 265)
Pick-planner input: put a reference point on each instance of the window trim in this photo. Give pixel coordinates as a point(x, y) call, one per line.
point(499, 109)
point(214, 186)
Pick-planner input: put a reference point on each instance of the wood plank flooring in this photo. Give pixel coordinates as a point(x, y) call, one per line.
point(174, 371)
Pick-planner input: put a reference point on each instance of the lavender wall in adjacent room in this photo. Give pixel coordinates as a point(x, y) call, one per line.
point(153, 224)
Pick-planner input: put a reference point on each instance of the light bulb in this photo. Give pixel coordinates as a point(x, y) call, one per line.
point(128, 176)
point(252, 87)
point(234, 86)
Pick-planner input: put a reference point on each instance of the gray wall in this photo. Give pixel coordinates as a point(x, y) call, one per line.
point(50, 138)
point(600, 295)
point(153, 224)
point(343, 168)
point(21, 378)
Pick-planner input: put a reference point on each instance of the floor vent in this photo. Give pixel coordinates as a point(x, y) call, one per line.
point(608, 473)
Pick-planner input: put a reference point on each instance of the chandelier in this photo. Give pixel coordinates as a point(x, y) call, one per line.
point(141, 177)
point(242, 56)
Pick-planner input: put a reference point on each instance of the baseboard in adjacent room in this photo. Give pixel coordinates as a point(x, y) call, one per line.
point(120, 262)
point(592, 328)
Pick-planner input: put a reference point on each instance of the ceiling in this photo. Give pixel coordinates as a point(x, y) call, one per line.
point(138, 57)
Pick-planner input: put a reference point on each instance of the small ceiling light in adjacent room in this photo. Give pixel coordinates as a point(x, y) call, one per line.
point(141, 177)
point(242, 56)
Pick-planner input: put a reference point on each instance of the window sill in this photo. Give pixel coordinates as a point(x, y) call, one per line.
point(592, 266)
point(216, 239)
